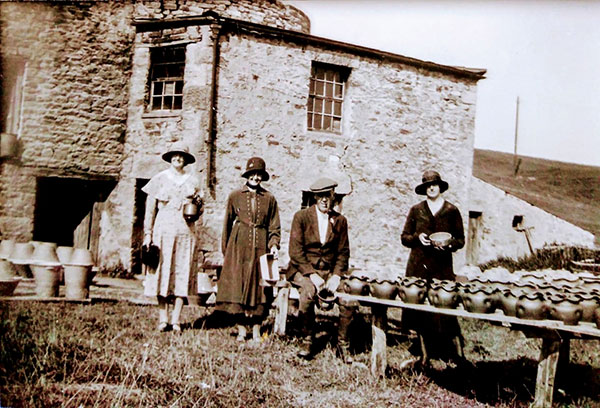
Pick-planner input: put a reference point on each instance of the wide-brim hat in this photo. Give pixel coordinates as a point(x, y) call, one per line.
point(256, 164)
point(179, 148)
point(431, 177)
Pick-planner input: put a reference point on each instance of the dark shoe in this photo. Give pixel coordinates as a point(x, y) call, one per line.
point(307, 351)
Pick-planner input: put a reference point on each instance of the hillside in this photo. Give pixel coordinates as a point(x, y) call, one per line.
point(569, 191)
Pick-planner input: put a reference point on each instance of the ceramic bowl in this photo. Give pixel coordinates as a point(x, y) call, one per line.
point(440, 238)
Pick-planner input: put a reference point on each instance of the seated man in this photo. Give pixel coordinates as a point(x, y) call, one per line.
point(319, 248)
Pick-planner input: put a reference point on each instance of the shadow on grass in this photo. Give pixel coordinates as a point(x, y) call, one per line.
point(514, 381)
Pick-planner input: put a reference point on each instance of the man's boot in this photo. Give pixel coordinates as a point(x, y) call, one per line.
point(307, 330)
point(343, 343)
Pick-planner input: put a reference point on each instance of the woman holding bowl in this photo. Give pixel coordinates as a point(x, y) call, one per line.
point(440, 335)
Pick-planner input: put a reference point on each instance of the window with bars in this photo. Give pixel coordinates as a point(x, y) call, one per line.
point(166, 78)
point(325, 97)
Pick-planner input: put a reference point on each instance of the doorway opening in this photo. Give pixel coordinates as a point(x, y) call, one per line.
point(68, 211)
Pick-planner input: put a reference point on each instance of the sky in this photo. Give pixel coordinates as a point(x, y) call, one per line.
point(545, 53)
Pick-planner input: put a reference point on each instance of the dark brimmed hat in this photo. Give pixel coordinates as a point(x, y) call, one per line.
point(256, 164)
point(323, 185)
point(431, 177)
point(179, 148)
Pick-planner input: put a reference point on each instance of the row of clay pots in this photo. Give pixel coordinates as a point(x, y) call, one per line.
point(523, 301)
point(49, 265)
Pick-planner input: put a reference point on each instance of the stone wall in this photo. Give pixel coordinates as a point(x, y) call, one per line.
point(496, 236)
point(266, 12)
point(398, 121)
point(73, 120)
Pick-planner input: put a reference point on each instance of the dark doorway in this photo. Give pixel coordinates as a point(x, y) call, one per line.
point(68, 210)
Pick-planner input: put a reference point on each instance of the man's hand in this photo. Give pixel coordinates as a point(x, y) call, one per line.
point(332, 283)
point(424, 239)
point(275, 252)
point(316, 280)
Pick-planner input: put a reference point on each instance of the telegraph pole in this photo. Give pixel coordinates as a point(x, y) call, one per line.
point(516, 161)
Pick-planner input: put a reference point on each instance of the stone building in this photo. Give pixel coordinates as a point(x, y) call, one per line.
point(94, 92)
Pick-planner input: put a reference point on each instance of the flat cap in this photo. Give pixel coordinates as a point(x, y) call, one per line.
point(323, 185)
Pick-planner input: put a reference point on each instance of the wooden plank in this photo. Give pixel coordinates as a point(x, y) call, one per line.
point(583, 328)
point(281, 310)
point(379, 347)
point(81, 235)
point(546, 374)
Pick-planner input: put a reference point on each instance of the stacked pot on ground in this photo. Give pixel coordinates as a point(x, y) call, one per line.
point(46, 269)
point(8, 274)
point(20, 256)
point(77, 264)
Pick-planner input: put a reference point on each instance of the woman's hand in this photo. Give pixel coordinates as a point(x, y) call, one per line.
point(424, 239)
point(275, 252)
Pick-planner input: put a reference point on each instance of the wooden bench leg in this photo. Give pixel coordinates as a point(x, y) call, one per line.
point(378, 351)
point(544, 387)
point(281, 311)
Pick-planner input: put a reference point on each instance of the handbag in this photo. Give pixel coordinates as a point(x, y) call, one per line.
point(150, 255)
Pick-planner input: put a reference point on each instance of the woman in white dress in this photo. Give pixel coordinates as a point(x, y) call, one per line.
point(165, 227)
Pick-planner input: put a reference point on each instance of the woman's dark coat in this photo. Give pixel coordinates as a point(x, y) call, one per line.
point(427, 261)
point(438, 332)
point(247, 235)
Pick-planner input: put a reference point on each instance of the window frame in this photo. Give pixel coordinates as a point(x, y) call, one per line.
point(325, 104)
point(163, 71)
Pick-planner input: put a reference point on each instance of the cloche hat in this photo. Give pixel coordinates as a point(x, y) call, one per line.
point(431, 177)
point(179, 148)
point(256, 164)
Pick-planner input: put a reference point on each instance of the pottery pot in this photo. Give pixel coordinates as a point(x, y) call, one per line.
point(589, 303)
point(597, 317)
point(508, 301)
point(413, 290)
point(77, 281)
point(6, 247)
point(7, 269)
point(47, 279)
point(384, 289)
point(444, 296)
point(64, 254)
point(531, 306)
point(565, 308)
point(8, 285)
point(357, 285)
point(81, 256)
point(479, 300)
point(191, 212)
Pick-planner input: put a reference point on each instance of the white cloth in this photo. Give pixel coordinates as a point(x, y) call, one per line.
point(435, 206)
point(323, 220)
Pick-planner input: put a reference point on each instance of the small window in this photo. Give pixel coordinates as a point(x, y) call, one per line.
point(166, 78)
point(325, 97)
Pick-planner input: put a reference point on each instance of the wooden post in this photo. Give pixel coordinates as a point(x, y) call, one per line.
point(378, 350)
point(281, 310)
point(544, 387)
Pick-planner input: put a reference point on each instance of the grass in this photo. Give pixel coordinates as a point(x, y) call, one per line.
point(552, 257)
point(110, 355)
point(569, 191)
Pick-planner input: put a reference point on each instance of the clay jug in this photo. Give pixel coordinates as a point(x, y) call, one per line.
point(531, 306)
point(6, 247)
point(357, 285)
point(597, 317)
point(589, 302)
point(565, 308)
point(508, 301)
point(444, 296)
point(384, 289)
point(191, 212)
point(413, 290)
point(7, 269)
point(478, 300)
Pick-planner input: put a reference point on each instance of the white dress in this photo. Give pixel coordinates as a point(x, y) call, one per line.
point(167, 193)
